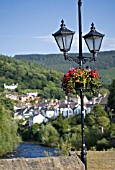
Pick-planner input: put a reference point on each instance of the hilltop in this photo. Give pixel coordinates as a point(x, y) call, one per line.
point(105, 62)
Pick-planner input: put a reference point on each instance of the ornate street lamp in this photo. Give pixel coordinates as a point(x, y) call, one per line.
point(64, 38)
point(93, 40)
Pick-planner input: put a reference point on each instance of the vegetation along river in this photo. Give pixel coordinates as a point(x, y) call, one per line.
point(29, 150)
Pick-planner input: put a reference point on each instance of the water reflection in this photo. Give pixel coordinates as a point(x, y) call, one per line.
point(28, 150)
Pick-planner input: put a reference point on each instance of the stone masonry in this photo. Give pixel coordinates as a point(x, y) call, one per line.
point(47, 163)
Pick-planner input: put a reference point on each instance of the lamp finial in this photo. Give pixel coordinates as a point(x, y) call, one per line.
point(92, 27)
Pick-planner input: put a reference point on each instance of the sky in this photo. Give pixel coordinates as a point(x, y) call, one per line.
point(26, 26)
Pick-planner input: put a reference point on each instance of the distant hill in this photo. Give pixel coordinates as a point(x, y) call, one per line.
point(30, 76)
point(105, 62)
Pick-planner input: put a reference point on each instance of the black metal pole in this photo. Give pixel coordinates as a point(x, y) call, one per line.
point(83, 148)
point(80, 33)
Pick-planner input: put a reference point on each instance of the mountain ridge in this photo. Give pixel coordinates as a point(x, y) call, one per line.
point(105, 59)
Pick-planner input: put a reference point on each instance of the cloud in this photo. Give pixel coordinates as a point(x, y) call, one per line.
point(108, 44)
point(46, 38)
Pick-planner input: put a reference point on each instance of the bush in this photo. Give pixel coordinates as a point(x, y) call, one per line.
point(8, 132)
point(103, 144)
point(49, 135)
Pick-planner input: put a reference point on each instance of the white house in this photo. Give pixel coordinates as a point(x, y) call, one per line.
point(36, 119)
point(77, 109)
point(32, 94)
point(50, 113)
point(10, 87)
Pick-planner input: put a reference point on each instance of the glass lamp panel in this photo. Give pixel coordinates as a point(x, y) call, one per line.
point(97, 43)
point(67, 40)
point(94, 43)
point(59, 41)
point(89, 42)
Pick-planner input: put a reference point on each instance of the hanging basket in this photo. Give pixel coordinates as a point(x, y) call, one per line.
point(79, 86)
point(77, 78)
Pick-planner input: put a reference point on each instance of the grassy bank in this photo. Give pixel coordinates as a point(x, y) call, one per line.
point(101, 160)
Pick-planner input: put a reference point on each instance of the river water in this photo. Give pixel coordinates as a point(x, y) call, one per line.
point(29, 150)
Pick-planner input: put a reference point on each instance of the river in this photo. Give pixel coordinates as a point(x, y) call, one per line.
point(29, 150)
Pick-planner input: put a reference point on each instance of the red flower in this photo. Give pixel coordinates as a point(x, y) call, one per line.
point(94, 74)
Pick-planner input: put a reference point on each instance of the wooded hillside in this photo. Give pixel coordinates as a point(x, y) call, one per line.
point(105, 62)
point(30, 76)
point(56, 61)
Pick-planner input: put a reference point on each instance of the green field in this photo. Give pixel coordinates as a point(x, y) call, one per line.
point(107, 75)
point(101, 160)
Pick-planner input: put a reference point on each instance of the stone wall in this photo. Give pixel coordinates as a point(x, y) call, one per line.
point(47, 163)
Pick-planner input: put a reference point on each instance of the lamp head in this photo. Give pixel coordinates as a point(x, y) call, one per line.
point(93, 40)
point(64, 38)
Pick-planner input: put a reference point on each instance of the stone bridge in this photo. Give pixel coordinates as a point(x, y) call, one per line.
point(47, 163)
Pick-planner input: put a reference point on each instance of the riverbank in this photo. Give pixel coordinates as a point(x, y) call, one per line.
point(96, 160)
point(30, 150)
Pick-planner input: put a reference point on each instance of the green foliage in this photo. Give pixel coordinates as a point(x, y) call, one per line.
point(69, 131)
point(8, 131)
point(26, 134)
point(76, 140)
point(56, 61)
point(35, 128)
point(111, 98)
point(98, 111)
point(98, 117)
point(47, 82)
point(99, 127)
point(90, 120)
point(105, 62)
point(47, 154)
point(73, 120)
point(103, 121)
point(61, 125)
point(49, 135)
point(107, 75)
point(112, 130)
point(92, 136)
point(30, 76)
point(102, 144)
point(6, 102)
point(64, 147)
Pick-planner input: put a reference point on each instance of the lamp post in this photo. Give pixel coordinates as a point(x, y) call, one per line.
point(93, 41)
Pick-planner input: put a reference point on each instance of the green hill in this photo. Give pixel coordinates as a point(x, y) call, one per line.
point(30, 76)
point(105, 62)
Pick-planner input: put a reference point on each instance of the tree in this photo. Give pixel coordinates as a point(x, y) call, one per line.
point(92, 136)
point(102, 144)
point(64, 147)
point(61, 125)
point(90, 119)
point(7, 103)
point(8, 131)
point(111, 97)
point(98, 111)
point(103, 121)
point(49, 135)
